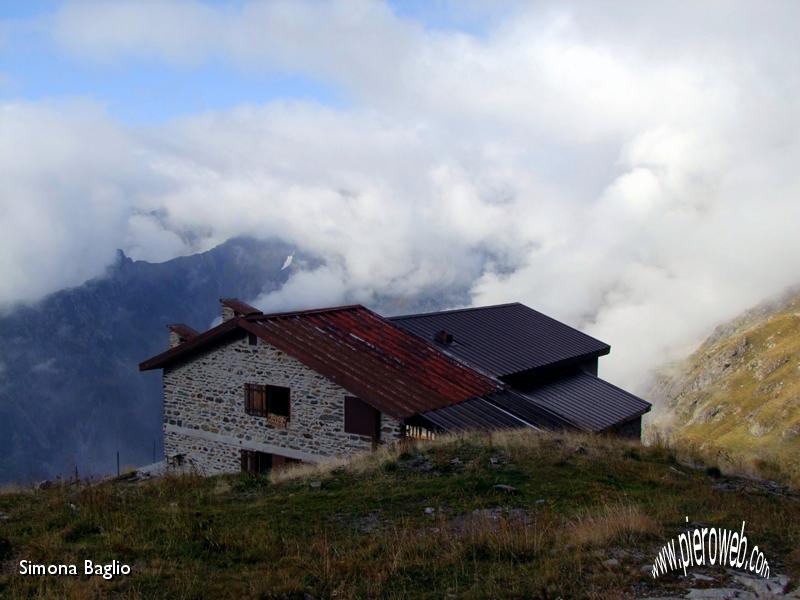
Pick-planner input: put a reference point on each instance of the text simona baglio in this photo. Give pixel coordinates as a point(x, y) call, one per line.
point(106, 571)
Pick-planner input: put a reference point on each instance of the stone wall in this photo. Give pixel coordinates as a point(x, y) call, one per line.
point(204, 413)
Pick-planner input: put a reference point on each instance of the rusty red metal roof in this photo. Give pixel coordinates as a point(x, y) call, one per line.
point(239, 307)
point(384, 365)
point(198, 343)
point(393, 370)
point(183, 330)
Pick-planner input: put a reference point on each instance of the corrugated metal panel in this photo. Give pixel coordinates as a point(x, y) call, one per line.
point(529, 410)
point(587, 401)
point(504, 339)
point(471, 415)
point(384, 365)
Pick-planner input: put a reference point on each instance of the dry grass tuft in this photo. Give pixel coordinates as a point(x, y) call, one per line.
point(362, 462)
point(612, 523)
point(321, 470)
point(516, 444)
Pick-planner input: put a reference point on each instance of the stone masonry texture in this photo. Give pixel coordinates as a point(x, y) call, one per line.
point(205, 420)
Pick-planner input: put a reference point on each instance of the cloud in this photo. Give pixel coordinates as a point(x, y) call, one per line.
point(46, 367)
point(636, 180)
point(69, 176)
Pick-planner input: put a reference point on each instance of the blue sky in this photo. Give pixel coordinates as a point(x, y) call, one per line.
point(145, 91)
point(134, 90)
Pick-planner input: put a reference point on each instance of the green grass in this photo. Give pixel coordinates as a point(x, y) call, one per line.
point(365, 532)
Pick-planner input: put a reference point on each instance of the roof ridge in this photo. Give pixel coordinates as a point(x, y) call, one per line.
point(454, 310)
point(309, 311)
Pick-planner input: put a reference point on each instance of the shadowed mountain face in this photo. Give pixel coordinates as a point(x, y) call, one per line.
point(70, 390)
point(739, 393)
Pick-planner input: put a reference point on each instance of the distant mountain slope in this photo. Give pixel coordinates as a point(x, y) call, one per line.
point(740, 391)
point(70, 391)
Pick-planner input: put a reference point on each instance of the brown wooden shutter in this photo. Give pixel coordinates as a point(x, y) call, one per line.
point(260, 401)
point(361, 418)
point(255, 399)
point(248, 401)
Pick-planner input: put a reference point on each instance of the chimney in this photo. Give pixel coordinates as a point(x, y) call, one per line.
point(179, 333)
point(233, 307)
point(227, 313)
point(443, 337)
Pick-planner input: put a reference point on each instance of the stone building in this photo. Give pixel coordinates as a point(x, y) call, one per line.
point(260, 391)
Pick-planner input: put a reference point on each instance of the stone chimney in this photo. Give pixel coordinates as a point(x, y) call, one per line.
point(227, 313)
point(233, 307)
point(443, 337)
point(179, 333)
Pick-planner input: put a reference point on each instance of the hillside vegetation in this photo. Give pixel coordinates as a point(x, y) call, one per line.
point(572, 517)
point(738, 395)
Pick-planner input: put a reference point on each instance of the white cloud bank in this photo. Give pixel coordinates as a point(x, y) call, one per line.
point(630, 171)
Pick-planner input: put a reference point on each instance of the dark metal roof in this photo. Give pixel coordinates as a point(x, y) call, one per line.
point(586, 401)
point(384, 365)
point(504, 339)
point(471, 415)
point(529, 410)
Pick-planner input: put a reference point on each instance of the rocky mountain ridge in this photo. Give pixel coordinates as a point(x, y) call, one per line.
point(739, 393)
point(71, 394)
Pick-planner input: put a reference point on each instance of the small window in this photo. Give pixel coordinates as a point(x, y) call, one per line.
point(265, 400)
point(255, 463)
point(252, 339)
point(258, 463)
point(360, 418)
point(278, 400)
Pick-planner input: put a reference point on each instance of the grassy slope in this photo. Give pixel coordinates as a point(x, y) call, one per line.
point(365, 531)
point(740, 393)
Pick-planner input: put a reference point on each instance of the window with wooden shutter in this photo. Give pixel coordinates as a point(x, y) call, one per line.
point(361, 419)
point(268, 401)
point(256, 463)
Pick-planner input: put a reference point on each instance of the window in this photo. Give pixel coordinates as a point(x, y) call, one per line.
point(266, 400)
point(418, 432)
point(258, 463)
point(278, 400)
point(252, 339)
point(361, 419)
point(255, 463)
